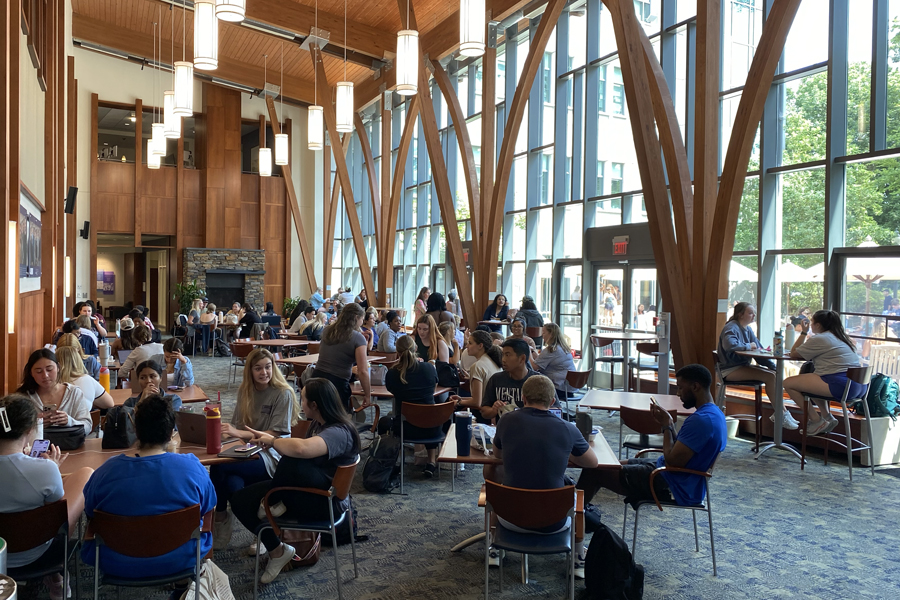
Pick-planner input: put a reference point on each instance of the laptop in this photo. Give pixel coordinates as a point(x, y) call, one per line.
point(191, 427)
point(123, 356)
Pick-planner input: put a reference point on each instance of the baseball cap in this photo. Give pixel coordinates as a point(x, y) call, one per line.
point(126, 324)
point(527, 299)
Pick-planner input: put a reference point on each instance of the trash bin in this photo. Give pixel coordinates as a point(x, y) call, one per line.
point(7, 587)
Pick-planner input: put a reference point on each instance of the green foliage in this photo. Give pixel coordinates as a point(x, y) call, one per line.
point(185, 293)
point(289, 304)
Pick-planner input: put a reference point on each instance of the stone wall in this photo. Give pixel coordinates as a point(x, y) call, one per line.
point(199, 260)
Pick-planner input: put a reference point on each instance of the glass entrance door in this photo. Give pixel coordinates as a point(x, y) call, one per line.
point(608, 296)
point(644, 298)
point(625, 296)
point(570, 306)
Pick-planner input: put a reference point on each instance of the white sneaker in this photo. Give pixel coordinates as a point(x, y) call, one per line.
point(789, 422)
point(832, 423)
point(276, 509)
point(251, 549)
point(276, 565)
point(816, 427)
point(222, 531)
point(579, 567)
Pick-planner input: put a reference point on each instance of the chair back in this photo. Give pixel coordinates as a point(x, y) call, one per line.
point(139, 537)
point(530, 509)
point(642, 421)
point(298, 371)
point(578, 379)
point(388, 356)
point(343, 479)
point(650, 348)
point(300, 429)
point(274, 321)
point(95, 419)
point(313, 347)
point(239, 350)
point(534, 332)
point(427, 415)
point(885, 359)
point(598, 343)
point(31, 528)
point(721, 379)
point(861, 375)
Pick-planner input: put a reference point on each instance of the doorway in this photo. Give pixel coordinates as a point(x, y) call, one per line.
point(627, 295)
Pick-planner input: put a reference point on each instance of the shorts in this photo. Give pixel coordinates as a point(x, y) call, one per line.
point(635, 478)
point(838, 381)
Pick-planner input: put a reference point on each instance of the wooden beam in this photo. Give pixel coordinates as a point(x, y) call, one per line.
point(176, 256)
point(328, 241)
point(289, 126)
point(294, 206)
point(141, 45)
point(139, 167)
point(344, 176)
point(71, 175)
point(488, 151)
point(486, 266)
point(374, 191)
point(385, 262)
point(412, 113)
point(331, 207)
point(95, 163)
point(260, 198)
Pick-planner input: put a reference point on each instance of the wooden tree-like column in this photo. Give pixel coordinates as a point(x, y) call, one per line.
point(331, 209)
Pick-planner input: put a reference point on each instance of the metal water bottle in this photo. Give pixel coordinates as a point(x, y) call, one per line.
point(104, 378)
point(778, 343)
point(213, 430)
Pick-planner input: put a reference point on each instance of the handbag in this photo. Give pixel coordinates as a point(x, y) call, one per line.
point(306, 546)
point(213, 584)
point(377, 374)
point(118, 428)
point(68, 437)
point(448, 374)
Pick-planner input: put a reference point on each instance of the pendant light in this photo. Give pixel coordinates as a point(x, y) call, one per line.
point(206, 35)
point(343, 105)
point(184, 79)
point(231, 10)
point(265, 154)
point(407, 59)
point(471, 27)
point(172, 121)
point(281, 139)
point(158, 128)
point(153, 159)
point(315, 123)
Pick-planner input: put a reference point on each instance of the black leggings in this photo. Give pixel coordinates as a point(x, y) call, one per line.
point(342, 385)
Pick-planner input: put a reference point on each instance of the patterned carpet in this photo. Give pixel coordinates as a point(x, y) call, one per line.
point(780, 533)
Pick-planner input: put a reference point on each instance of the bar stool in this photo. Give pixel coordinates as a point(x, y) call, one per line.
point(757, 405)
point(598, 344)
point(862, 376)
point(647, 349)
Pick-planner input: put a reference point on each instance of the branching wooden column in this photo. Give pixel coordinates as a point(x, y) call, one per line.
point(374, 190)
point(331, 209)
point(385, 260)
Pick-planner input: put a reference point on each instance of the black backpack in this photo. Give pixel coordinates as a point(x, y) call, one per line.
point(222, 348)
point(610, 572)
point(381, 468)
point(118, 428)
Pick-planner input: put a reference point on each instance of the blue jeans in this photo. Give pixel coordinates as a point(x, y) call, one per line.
point(228, 478)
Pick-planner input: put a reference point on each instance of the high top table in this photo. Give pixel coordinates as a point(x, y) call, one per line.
point(627, 337)
point(607, 400)
point(777, 400)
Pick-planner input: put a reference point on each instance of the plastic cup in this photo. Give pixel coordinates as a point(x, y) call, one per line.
point(463, 421)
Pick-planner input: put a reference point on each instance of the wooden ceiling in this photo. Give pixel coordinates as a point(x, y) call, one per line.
point(127, 26)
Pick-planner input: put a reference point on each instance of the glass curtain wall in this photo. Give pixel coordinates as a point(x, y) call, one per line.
point(816, 181)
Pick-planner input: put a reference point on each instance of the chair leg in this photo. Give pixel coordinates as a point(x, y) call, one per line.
point(637, 513)
point(805, 426)
point(848, 439)
point(487, 552)
point(696, 538)
point(525, 569)
point(96, 571)
point(871, 436)
point(757, 412)
point(624, 521)
point(337, 564)
point(353, 542)
point(402, 458)
point(256, 572)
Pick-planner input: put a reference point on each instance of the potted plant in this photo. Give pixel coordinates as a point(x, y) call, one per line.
point(289, 305)
point(185, 293)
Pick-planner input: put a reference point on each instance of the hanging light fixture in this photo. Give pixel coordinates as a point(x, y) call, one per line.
point(153, 160)
point(158, 129)
point(231, 10)
point(315, 123)
point(172, 121)
point(206, 35)
point(281, 139)
point(184, 79)
point(343, 104)
point(265, 154)
point(407, 59)
point(471, 27)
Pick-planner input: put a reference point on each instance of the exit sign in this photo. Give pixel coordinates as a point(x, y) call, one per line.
point(620, 245)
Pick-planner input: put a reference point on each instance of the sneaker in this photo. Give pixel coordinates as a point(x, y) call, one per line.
point(789, 422)
point(579, 567)
point(276, 509)
point(251, 549)
point(276, 565)
point(832, 423)
point(430, 470)
point(816, 427)
point(222, 531)
point(494, 558)
point(54, 585)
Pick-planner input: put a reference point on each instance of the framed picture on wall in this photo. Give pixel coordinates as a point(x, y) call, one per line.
point(29, 244)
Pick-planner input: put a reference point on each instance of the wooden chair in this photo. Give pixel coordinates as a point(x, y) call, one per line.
point(598, 344)
point(363, 406)
point(704, 506)
point(239, 352)
point(95, 420)
point(536, 333)
point(862, 376)
point(530, 509)
point(648, 433)
point(423, 416)
point(139, 537)
point(32, 528)
point(340, 489)
point(756, 417)
point(388, 356)
point(313, 347)
point(644, 349)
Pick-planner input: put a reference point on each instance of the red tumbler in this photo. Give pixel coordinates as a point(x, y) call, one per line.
point(213, 430)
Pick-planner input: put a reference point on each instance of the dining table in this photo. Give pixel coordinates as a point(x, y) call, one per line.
point(93, 455)
point(627, 337)
point(188, 394)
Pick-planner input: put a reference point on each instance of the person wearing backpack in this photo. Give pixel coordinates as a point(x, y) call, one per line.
point(702, 437)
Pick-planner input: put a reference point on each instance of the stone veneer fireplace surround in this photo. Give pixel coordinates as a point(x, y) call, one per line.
point(249, 263)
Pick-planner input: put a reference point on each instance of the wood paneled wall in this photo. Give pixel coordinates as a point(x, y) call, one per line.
point(112, 199)
point(250, 211)
point(273, 213)
point(31, 330)
point(194, 213)
point(219, 149)
point(157, 203)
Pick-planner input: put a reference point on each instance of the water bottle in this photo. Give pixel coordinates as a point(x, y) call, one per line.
point(778, 343)
point(40, 429)
point(104, 378)
point(119, 328)
point(213, 430)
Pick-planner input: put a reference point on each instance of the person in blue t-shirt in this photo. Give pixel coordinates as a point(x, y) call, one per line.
point(150, 481)
point(702, 437)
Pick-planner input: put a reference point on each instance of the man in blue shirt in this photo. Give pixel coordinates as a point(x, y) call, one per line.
point(702, 437)
point(316, 299)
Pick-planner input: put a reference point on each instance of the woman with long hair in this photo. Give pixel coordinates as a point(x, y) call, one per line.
point(30, 483)
point(145, 350)
point(496, 311)
point(314, 327)
point(71, 370)
point(196, 309)
point(413, 381)
point(419, 307)
point(430, 345)
point(488, 358)
point(447, 331)
point(437, 308)
point(297, 313)
point(368, 329)
point(343, 346)
point(737, 335)
point(65, 403)
point(149, 379)
point(311, 462)
point(555, 359)
point(265, 402)
point(91, 364)
point(517, 332)
point(832, 352)
point(530, 313)
point(125, 341)
point(248, 320)
point(150, 480)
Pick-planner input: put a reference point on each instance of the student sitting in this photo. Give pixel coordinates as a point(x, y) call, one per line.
point(389, 331)
point(555, 359)
point(84, 324)
point(91, 364)
point(150, 481)
point(71, 370)
point(149, 376)
point(331, 442)
point(30, 483)
point(66, 405)
point(313, 328)
point(87, 343)
point(125, 341)
point(146, 350)
point(178, 366)
point(305, 316)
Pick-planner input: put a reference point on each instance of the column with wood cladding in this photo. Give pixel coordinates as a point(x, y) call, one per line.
point(219, 152)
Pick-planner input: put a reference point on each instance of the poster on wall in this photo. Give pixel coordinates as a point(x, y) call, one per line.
point(106, 282)
point(29, 244)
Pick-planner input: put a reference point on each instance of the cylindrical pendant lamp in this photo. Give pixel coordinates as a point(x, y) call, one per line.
point(184, 89)
point(172, 121)
point(152, 159)
point(265, 162)
point(471, 27)
point(231, 10)
point(206, 35)
point(159, 139)
point(315, 128)
point(343, 106)
point(407, 62)
point(281, 149)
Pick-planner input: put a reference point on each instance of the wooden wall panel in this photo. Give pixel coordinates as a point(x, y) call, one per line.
point(157, 203)
point(250, 211)
point(220, 147)
point(112, 202)
point(274, 211)
point(193, 210)
point(31, 318)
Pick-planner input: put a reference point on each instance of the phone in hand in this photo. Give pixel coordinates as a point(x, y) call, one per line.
point(245, 448)
point(655, 401)
point(39, 447)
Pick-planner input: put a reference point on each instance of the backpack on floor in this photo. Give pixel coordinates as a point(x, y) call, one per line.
point(381, 468)
point(343, 530)
point(610, 572)
point(882, 398)
point(222, 348)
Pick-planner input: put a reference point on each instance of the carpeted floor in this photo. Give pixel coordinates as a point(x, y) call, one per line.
point(780, 533)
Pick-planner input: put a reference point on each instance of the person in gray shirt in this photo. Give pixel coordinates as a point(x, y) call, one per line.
point(343, 345)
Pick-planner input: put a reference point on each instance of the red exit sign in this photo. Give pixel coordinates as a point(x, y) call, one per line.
point(620, 245)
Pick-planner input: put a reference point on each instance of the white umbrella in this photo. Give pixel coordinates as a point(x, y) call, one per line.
point(788, 272)
point(738, 272)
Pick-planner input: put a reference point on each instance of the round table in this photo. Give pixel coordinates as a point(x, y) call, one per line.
point(627, 337)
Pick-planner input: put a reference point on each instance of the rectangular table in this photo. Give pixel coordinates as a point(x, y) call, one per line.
point(380, 391)
point(607, 400)
point(191, 393)
point(311, 359)
point(93, 455)
point(278, 343)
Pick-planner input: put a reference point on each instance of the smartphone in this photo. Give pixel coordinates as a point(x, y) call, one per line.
point(557, 412)
point(50, 408)
point(246, 448)
point(39, 447)
point(655, 401)
point(176, 388)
